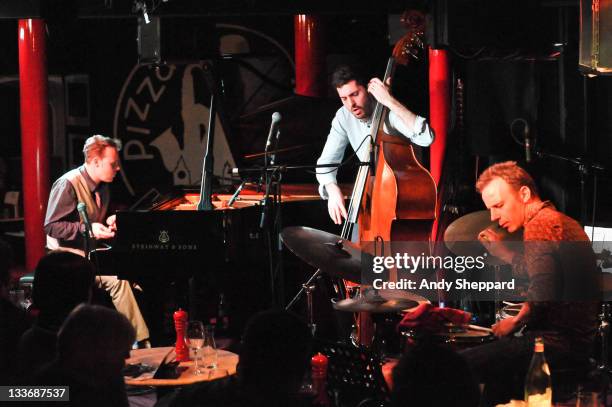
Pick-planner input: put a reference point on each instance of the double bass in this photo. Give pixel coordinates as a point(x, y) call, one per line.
point(393, 199)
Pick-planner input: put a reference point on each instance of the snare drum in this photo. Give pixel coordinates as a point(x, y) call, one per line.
point(458, 337)
point(465, 338)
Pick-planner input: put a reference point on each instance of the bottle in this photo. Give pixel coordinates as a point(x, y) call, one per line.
point(538, 388)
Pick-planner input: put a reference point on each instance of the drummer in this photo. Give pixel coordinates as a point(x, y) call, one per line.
point(551, 265)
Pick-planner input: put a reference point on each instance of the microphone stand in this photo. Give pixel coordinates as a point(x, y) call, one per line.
point(89, 247)
point(584, 167)
point(272, 174)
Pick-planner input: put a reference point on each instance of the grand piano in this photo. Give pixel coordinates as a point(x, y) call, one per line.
point(169, 243)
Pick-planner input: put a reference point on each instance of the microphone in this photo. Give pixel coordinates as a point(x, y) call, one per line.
point(235, 196)
point(82, 208)
point(273, 156)
point(276, 117)
point(527, 138)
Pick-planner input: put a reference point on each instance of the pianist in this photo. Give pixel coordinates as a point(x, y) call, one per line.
point(89, 184)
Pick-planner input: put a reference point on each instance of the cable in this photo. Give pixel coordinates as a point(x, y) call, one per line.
point(343, 163)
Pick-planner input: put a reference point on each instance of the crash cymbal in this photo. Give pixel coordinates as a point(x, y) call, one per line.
point(461, 236)
point(326, 251)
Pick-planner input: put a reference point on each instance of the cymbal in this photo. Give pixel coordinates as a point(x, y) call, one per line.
point(381, 301)
point(278, 150)
point(461, 236)
point(330, 253)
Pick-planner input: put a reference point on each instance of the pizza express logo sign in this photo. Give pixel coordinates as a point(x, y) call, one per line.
point(162, 119)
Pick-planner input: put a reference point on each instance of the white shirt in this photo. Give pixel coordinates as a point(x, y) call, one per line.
point(346, 128)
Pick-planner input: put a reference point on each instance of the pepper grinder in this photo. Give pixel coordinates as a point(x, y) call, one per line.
point(180, 324)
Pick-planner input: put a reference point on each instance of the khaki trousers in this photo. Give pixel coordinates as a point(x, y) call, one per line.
point(123, 299)
point(120, 292)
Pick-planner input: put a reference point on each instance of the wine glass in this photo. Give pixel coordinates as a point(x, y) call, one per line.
point(209, 352)
point(194, 339)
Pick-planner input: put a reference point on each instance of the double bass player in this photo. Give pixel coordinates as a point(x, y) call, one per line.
point(352, 124)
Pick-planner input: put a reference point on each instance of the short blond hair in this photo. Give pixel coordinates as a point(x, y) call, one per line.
point(510, 172)
point(94, 146)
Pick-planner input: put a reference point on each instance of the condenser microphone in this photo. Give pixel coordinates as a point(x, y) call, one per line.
point(82, 208)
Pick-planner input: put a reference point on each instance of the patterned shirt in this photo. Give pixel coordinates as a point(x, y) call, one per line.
point(563, 281)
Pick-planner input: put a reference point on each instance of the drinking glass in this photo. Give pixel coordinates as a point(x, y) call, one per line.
point(209, 352)
point(194, 339)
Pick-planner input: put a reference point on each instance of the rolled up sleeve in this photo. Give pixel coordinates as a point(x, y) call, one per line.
point(421, 134)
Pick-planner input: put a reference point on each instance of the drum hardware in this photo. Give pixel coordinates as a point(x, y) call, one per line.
point(382, 304)
point(328, 253)
point(308, 287)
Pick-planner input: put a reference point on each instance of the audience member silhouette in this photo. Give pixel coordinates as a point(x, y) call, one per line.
point(92, 345)
point(62, 280)
point(13, 321)
point(432, 375)
point(274, 356)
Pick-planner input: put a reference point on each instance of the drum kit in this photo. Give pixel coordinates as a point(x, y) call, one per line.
point(342, 259)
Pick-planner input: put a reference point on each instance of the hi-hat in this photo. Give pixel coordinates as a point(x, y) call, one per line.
point(328, 252)
point(381, 301)
point(461, 236)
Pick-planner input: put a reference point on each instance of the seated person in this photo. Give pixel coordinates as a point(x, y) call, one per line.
point(13, 321)
point(62, 281)
point(92, 346)
point(433, 375)
point(275, 354)
point(89, 184)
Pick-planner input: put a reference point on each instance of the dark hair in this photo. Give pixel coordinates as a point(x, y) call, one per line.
point(435, 376)
point(510, 172)
point(95, 339)
point(343, 74)
point(269, 338)
point(62, 280)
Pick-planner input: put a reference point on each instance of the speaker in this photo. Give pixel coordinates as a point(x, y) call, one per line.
point(596, 37)
point(175, 40)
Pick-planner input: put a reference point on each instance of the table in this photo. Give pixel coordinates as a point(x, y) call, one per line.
point(226, 366)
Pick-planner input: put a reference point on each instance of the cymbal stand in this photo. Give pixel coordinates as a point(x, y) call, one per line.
point(308, 287)
point(603, 331)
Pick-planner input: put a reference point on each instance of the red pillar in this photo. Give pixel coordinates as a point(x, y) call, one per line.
point(439, 113)
point(34, 139)
point(310, 75)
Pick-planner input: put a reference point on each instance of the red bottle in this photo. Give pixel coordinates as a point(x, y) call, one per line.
point(180, 324)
